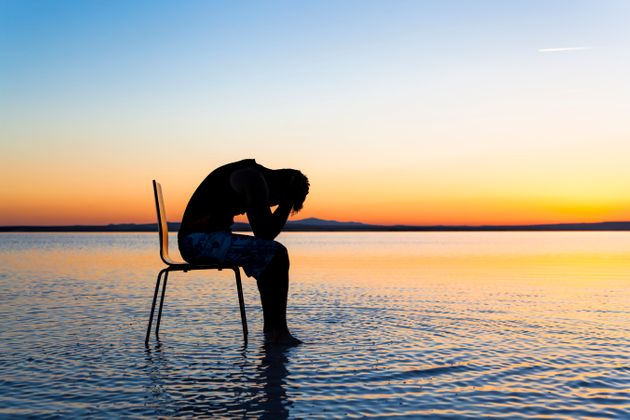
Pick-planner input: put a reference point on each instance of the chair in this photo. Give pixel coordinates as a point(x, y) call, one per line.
point(172, 265)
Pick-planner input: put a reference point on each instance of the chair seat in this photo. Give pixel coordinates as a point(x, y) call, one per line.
point(183, 266)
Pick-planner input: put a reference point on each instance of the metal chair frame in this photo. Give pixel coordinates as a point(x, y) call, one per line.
point(173, 265)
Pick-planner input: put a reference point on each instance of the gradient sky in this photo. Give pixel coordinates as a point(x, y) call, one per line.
point(419, 112)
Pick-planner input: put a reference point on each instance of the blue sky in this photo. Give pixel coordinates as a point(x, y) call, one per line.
point(347, 90)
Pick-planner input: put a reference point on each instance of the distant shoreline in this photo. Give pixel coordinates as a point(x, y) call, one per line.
point(318, 225)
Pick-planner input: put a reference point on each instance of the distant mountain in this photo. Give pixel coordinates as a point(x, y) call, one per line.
point(313, 224)
point(313, 221)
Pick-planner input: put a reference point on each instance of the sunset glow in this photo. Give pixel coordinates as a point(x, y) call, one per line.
point(399, 112)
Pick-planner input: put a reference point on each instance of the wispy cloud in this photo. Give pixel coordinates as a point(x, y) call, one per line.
point(564, 49)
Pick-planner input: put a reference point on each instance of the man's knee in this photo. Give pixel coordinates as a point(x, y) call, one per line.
point(278, 266)
point(281, 258)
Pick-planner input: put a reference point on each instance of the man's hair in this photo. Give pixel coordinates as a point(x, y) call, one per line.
point(298, 186)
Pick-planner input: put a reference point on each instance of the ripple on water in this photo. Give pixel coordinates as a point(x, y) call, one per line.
point(445, 341)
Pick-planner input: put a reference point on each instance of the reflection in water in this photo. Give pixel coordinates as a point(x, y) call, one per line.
point(273, 375)
point(262, 394)
point(396, 324)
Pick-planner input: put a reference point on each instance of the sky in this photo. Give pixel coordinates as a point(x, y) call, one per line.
point(399, 112)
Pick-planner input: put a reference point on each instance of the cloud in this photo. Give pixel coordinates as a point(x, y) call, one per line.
point(565, 49)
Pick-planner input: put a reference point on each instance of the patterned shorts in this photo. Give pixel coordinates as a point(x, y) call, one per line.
point(226, 248)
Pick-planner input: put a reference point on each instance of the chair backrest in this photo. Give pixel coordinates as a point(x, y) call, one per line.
point(161, 222)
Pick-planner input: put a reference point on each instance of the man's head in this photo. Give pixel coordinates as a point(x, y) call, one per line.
point(293, 186)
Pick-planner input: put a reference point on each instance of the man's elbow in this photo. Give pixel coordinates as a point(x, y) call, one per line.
point(264, 234)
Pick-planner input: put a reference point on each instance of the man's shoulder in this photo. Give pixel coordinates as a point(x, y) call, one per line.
point(246, 177)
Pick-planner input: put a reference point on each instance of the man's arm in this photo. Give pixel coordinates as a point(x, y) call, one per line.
point(264, 223)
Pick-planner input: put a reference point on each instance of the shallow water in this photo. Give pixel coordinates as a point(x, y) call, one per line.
point(396, 324)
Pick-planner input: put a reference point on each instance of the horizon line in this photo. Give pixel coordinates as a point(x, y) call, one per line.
point(313, 223)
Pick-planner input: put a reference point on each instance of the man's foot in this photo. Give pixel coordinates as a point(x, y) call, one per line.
point(281, 338)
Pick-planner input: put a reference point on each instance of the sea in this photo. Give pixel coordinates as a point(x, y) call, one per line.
point(395, 325)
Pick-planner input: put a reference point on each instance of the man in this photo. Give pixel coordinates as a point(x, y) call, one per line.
point(205, 235)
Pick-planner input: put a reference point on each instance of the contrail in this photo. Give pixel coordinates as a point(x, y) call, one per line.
point(551, 50)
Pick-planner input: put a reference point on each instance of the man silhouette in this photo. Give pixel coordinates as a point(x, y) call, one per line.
point(205, 235)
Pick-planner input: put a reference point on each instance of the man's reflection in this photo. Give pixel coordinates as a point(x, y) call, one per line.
point(273, 372)
point(254, 386)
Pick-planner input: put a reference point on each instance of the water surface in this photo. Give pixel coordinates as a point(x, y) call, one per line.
point(527, 324)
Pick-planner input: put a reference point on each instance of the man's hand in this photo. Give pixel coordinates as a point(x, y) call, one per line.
point(264, 223)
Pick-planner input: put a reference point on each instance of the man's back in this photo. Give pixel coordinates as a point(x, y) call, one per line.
point(214, 203)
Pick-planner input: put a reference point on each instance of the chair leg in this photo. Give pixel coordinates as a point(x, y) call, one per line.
point(155, 293)
point(241, 301)
point(159, 317)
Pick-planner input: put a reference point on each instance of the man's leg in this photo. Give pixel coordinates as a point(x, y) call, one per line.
point(273, 285)
point(268, 262)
